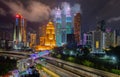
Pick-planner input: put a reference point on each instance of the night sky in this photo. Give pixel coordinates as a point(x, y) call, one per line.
point(38, 12)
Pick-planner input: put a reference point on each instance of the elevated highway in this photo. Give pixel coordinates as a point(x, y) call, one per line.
point(79, 69)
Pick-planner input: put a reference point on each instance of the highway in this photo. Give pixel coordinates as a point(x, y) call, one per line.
point(80, 69)
point(13, 55)
point(58, 66)
point(57, 70)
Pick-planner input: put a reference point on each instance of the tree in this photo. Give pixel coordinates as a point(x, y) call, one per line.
point(86, 51)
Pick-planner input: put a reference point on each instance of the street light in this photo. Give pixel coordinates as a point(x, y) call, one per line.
point(114, 60)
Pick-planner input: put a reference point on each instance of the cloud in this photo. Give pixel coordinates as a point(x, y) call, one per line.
point(2, 12)
point(113, 19)
point(66, 8)
point(34, 11)
point(77, 8)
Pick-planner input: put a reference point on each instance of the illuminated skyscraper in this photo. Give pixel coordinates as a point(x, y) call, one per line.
point(69, 21)
point(98, 41)
point(58, 26)
point(50, 35)
point(63, 25)
point(77, 27)
point(19, 32)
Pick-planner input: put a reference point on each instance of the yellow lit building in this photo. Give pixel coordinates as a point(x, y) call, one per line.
point(42, 41)
point(32, 40)
point(48, 41)
point(50, 35)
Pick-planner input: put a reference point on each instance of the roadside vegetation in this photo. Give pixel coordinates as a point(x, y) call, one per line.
point(6, 65)
point(81, 55)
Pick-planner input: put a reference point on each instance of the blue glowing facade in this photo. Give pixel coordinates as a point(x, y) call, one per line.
point(63, 25)
point(58, 25)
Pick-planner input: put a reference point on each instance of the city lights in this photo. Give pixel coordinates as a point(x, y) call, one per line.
point(72, 38)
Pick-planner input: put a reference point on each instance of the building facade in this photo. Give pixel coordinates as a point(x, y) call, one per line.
point(118, 40)
point(87, 39)
point(77, 27)
point(98, 41)
point(32, 39)
point(50, 40)
point(110, 39)
point(63, 25)
point(19, 36)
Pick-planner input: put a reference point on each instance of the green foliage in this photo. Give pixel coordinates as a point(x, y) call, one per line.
point(57, 50)
point(86, 51)
point(114, 51)
point(88, 63)
point(39, 66)
point(115, 71)
point(7, 65)
point(59, 56)
point(71, 59)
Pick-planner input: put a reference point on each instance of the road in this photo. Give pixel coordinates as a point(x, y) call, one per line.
point(82, 69)
point(59, 71)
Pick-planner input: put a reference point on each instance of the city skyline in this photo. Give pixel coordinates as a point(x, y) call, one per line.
point(59, 38)
point(90, 15)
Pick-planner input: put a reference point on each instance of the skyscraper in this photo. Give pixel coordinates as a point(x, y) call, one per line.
point(98, 41)
point(50, 35)
point(58, 26)
point(19, 36)
point(77, 27)
point(32, 39)
point(63, 25)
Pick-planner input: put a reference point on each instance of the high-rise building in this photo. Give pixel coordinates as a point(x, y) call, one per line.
point(42, 31)
point(19, 36)
point(6, 31)
point(118, 40)
point(42, 41)
point(98, 41)
point(58, 26)
point(32, 39)
point(77, 27)
point(63, 25)
point(110, 39)
point(6, 35)
point(50, 35)
point(87, 39)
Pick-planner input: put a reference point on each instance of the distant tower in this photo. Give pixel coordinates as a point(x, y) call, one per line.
point(63, 25)
point(19, 36)
point(101, 25)
point(58, 26)
point(69, 28)
point(98, 41)
point(42, 33)
point(50, 35)
point(32, 39)
point(77, 27)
